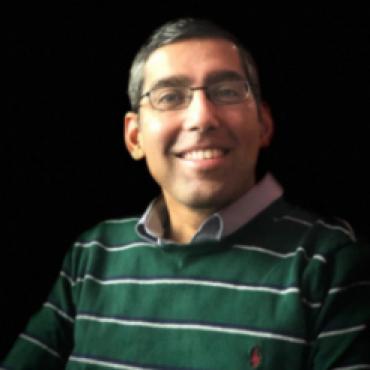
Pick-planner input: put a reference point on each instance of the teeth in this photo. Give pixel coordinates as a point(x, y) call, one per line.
point(203, 154)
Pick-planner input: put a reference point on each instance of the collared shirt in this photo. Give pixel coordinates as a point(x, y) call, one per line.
point(153, 224)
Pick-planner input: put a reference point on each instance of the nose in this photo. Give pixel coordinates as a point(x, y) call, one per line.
point(201, 113)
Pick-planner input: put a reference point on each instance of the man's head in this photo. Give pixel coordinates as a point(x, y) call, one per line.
point(185, 29)
point(197, 116)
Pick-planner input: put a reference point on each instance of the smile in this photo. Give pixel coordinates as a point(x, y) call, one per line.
point(196, 155)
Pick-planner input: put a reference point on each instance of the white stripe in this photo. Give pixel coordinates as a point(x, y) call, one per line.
point(348, 232)
point(341, 331)
point(214, 284)
point(113, 248)
point(121, 220)
point(265, 251)
point(111, 365)
point(311, 304)
point(353, 367)
point(348, 226)
point(337, 227)
point(40, 344)
point(298, 220)
point(68, 278)
point(201, 327)
point(340, 289)
point(318, 257)
point(59, 311)
point(280, 255)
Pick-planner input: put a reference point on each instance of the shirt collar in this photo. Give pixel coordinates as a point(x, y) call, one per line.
point(154, 221)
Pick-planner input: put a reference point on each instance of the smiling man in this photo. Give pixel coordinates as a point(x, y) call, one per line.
point(198, 125)
point(220, 272)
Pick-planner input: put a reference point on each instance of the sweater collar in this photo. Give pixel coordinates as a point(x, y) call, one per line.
point(154, 222)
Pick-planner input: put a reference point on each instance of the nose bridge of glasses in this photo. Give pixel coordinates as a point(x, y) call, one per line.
point(199, 88)
point(200, 108)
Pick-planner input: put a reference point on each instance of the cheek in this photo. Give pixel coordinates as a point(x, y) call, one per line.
point(151, 132)
point(247, 131)
point(156, 131)
point(154, 126)
point(156, 141)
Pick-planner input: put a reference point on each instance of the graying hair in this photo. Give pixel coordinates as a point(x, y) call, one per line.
point(184, 29)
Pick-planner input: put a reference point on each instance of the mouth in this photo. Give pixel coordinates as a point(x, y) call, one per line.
point(203, 154)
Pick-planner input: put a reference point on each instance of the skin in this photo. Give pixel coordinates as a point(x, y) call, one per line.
point(194, 188)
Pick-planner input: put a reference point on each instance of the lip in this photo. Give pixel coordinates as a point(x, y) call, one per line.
point(202, 154)
point(203, 146)
point(204, 158)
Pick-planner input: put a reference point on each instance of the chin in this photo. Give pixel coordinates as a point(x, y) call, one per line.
point(215, 197)
point(208, 201)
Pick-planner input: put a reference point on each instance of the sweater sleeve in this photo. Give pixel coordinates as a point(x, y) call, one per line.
point(341, 334)
point(47, 339)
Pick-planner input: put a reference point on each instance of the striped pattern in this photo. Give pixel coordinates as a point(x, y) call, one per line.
point(39, 344)
point(106, 364)
point(191, 326)
point(281, 255)
point(59, 312)
point(123, 303)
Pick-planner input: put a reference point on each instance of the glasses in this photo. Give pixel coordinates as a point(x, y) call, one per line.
point(170, 98)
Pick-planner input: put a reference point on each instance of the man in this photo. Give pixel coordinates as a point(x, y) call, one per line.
point(220, 272)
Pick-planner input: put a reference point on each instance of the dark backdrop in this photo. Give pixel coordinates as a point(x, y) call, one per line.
point(67, 168)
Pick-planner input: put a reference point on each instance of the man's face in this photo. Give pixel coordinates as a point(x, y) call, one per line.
point(204, 156)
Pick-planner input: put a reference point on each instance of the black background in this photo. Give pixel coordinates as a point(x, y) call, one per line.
point(67, 168)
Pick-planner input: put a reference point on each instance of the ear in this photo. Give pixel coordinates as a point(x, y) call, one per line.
point(268, 125)
point(132, 136)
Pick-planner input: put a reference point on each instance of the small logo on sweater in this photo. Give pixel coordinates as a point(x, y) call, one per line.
point(255, 357)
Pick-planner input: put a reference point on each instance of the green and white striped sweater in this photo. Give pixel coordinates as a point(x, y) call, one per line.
point(286, 291)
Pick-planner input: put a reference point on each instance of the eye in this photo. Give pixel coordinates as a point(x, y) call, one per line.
point(228, 91)
point(168, 97)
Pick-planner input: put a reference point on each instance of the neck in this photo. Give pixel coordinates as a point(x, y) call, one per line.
point(184, 223)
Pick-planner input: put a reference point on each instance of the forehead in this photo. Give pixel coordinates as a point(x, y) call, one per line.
point(194, 59)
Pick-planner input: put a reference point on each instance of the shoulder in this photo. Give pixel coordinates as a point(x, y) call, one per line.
point(100, 244)
point(111, 232)
point(109, 236)
point(312, 222)
point(285, 227)
point(314, 232)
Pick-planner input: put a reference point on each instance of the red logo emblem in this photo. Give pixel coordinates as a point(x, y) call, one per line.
point(255, 358)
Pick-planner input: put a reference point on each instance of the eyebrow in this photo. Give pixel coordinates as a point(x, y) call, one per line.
point(213, 77)
point(226, 75)
point(172, 81)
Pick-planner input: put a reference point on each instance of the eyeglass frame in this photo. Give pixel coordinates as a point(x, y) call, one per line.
point(191, 89)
